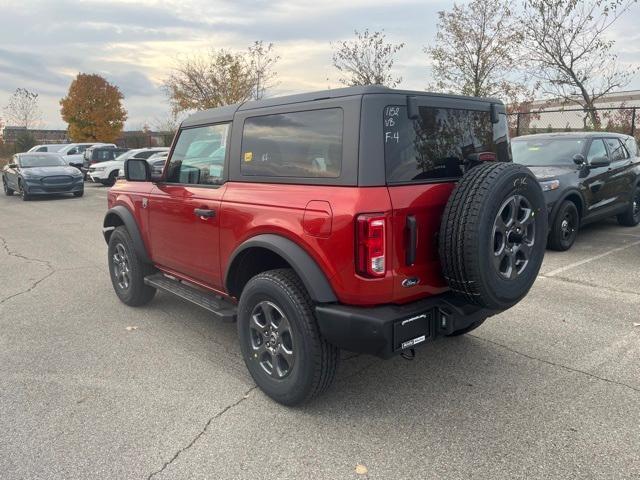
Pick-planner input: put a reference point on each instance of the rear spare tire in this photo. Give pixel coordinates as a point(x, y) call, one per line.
point(493, 235)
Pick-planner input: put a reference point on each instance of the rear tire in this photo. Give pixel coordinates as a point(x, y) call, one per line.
point(280, 341)
point(78, 194)
point(564, 230)
point(631, 217)
point(127, 271)
point(493, 235)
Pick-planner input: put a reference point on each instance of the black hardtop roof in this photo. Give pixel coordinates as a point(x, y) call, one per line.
point(546, 136)
point(226, 113)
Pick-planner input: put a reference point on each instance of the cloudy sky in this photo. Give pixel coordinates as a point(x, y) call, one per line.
point(45, 43)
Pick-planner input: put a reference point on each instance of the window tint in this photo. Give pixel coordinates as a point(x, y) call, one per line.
point(597, 149)
point(198, 157)
point(436, 145)
point(616, 149)
point(301, 144)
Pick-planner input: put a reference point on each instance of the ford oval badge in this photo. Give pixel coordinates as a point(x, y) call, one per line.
point(410, 282)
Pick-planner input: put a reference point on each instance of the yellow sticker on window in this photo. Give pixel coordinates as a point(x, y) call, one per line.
point(248, 156)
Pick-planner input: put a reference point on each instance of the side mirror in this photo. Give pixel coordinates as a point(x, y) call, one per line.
point(137, 170)
point(600, 162)
point(579, 159)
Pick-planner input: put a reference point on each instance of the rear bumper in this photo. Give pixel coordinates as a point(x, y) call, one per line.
point(388, 330)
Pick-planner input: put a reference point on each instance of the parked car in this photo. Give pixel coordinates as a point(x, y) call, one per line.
point(365, 218)
point(40, 173)
point(73, 153)
point(585, 177)
point(107, 172)
point(99, 154)
point(50, 147)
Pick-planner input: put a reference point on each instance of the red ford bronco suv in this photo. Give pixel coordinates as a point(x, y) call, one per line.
point(363, 218)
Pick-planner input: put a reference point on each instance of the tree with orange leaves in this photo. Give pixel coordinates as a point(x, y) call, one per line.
point(93, 109)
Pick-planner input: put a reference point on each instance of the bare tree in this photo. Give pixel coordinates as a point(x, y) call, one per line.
point(366, 60)
point(221, 78)
point(262, 60)
point(569, 53)
point(23, 109)
point(476, 49)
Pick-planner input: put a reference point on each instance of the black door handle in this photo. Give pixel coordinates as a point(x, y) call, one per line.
point(203, 212)
point(412, 240)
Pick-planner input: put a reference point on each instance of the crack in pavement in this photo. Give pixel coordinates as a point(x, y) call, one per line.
point(11, 253)
point(203, 431)
point(559, 365)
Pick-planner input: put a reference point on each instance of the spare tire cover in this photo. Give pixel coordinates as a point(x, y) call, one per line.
point(493, 235)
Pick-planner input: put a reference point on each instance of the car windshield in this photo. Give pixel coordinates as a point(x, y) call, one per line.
point(27, 161)
point(546, 151)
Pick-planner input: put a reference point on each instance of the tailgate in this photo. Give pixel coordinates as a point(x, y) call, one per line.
point(417, 210)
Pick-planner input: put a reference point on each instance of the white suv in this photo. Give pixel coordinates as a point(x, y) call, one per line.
point(106, 173)
point(73, 153)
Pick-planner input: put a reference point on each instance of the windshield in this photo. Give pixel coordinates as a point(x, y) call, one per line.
point(27, 161)
point(546, 151)
point(436, 144)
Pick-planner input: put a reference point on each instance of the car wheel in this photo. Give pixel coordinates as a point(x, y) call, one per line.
point(564, 229)
point(127, 270)
point(467, 329)
point(7, 191)
point(78, 194)
point(109, 182)
point(280, 341)
point(493, 235)
point(631, 217)
point(25, 196)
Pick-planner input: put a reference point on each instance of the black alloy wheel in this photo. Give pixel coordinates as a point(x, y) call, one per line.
point(272, 340)
point(514, 235)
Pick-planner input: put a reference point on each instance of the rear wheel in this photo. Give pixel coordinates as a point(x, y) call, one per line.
point(280, 341)
point(631, 217)
point(7, 191)
point(78, 194)
point(493, 235)
point(564, 229)
point(127, 270)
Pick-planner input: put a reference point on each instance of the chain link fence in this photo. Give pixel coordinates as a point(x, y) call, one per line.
point(612, 119)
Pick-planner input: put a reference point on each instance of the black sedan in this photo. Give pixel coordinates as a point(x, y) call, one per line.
point(36, 173)
point(585, 177)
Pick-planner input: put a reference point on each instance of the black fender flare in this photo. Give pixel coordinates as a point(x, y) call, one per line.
point(305, 267)
point(556, 206)
point(127, 219)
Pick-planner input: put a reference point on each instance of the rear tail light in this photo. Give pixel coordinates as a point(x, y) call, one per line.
point(370, 245)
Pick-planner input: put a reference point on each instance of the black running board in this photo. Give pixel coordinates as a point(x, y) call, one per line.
point(222, 309)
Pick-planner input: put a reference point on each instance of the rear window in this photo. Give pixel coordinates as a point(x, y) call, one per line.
point(435, 146)
point(300, 144)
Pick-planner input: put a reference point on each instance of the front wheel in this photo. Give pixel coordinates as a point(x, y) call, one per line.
point(23, 192)
point(127, 270)
point(78, 194)
point(7, 191)
point(564, 229)
point(280, 341)
point(631, 217)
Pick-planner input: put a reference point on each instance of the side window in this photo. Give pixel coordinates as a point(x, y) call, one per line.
point(198, 157)
point(299, 144)
point(617, 150)
point(632, 146)
point(597, 149)
point(72, 151)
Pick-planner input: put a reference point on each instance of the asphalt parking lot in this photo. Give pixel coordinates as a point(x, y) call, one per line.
point(90, 388)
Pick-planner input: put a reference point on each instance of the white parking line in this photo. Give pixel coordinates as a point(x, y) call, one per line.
point(590, 259)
